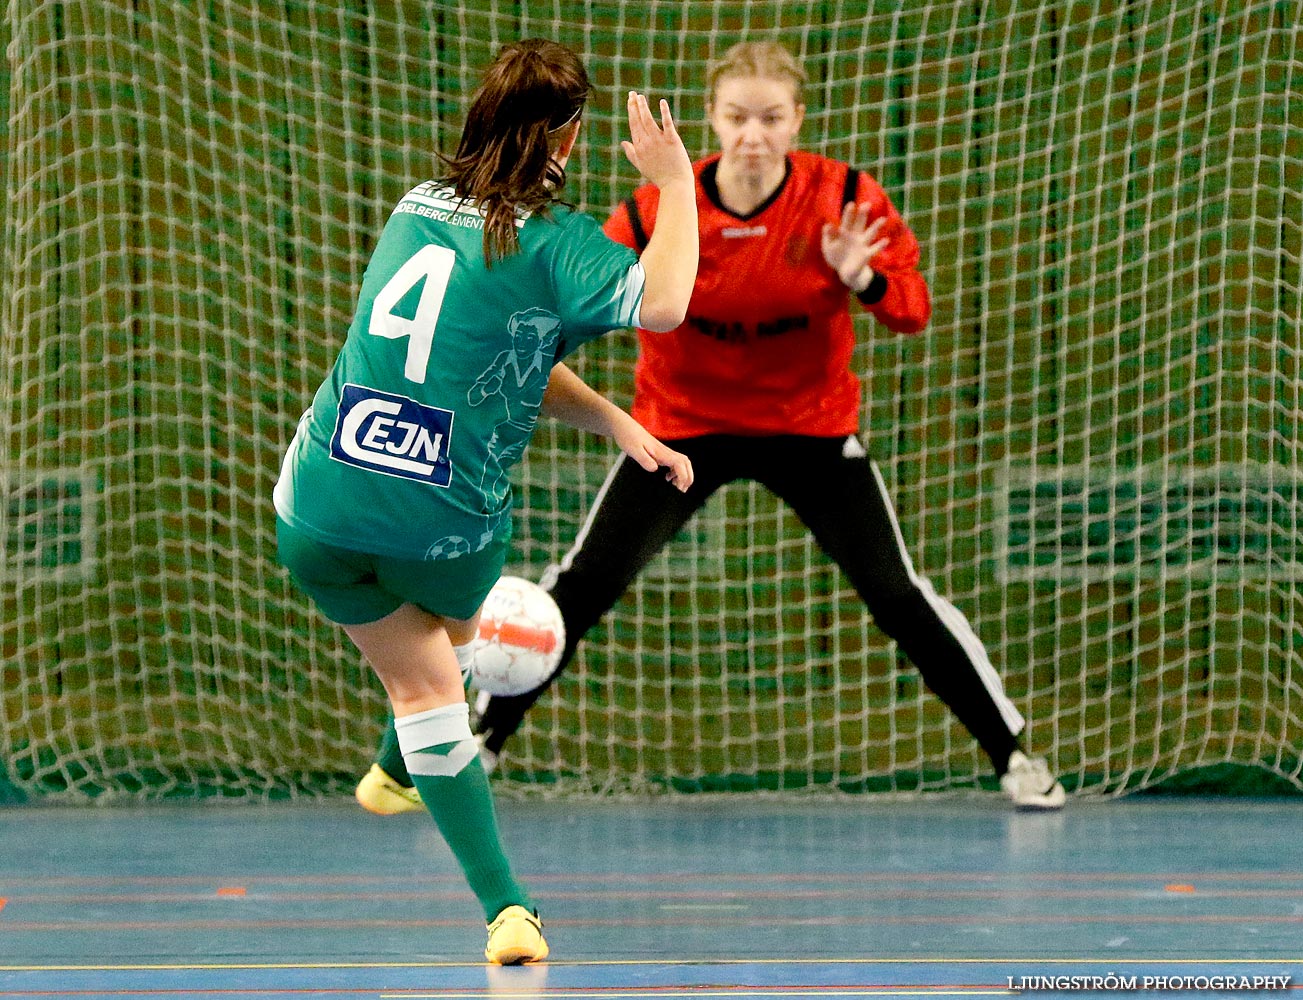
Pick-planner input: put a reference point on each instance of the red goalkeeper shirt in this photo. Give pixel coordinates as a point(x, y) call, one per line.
point(766, 346)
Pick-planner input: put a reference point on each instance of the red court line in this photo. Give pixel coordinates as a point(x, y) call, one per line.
point(1153, 891)
point(559, 990)
point(267, 992)
point(685, 990)
point(622, 878)
point(715, 920)
point(465, 992)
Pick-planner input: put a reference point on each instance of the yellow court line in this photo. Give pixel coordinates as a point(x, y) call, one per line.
point(1016, 960)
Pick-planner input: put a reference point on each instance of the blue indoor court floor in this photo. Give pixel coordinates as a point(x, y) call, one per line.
point(675, 897)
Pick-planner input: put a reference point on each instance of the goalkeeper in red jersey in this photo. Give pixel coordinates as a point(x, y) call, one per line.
point(756, 384)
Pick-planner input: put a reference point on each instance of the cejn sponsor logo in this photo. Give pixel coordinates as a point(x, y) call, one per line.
point(393, 435)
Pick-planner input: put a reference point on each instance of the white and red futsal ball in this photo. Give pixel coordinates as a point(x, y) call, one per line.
point(520, 639)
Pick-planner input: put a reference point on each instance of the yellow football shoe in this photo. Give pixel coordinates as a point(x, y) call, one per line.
point(515, 937)
point(382, 795)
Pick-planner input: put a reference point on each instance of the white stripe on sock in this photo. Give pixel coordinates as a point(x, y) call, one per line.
point(463, 654)
point(439, 765)
point(434, 728)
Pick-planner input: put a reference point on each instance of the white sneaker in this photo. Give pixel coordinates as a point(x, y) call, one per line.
point(1029, 784)
point(488, 759)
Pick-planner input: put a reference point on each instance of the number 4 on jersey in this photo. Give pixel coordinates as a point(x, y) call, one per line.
point(432, 265)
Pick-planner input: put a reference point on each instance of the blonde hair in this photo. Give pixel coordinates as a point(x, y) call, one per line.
point(768, 60)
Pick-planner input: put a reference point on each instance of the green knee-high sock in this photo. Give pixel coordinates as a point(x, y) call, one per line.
point(390, 755)
point(455, 790)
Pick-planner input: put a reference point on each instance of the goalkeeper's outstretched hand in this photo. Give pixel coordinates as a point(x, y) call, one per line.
point(850, 244)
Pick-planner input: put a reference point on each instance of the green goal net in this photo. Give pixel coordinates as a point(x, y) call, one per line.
point(1094, 450)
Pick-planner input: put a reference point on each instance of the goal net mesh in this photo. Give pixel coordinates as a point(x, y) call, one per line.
point(1094, 451)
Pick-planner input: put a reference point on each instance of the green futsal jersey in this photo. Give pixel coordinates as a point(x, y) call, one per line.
point(434, 396)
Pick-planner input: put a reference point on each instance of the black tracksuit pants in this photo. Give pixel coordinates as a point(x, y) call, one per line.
point(838, 494)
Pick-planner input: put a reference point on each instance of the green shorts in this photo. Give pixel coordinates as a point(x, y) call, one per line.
point(353, 588)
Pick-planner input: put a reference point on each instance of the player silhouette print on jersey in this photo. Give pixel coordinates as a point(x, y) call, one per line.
point(527, 364)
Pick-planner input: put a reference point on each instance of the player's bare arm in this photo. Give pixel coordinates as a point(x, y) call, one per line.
point(569, 399)
point(670, 258)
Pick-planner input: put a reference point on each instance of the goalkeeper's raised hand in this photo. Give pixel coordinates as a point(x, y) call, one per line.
point(850, 244)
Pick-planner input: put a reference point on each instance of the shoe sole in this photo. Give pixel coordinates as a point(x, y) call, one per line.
point(1038, 807)
point(400, 805)
point(1051, 801)
point(518, 957)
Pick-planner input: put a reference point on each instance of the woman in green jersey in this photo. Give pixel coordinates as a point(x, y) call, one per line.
point(393, 503)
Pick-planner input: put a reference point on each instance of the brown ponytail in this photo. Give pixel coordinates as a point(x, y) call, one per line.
point(531, 92)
